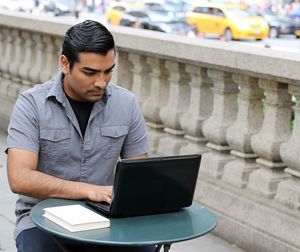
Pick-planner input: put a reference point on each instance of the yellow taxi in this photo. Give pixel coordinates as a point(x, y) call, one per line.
point(297, 33)
point(116, 9)
point(227, 21)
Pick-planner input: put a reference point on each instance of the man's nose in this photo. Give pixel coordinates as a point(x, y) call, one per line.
point(100, 81)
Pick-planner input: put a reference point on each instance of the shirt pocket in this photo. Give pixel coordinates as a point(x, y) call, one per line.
point(55, 144)
point(112, 139)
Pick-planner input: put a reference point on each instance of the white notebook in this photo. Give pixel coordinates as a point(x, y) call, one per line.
point(76, 218)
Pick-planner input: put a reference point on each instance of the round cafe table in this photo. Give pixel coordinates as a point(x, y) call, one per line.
point(159, 229)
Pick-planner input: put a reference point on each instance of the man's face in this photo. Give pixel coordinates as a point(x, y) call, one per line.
point(90, 76)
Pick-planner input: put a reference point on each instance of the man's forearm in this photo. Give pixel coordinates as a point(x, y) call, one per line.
point(25, 179)
point(40, 185)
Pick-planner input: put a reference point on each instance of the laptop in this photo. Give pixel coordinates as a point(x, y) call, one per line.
point(152, 185)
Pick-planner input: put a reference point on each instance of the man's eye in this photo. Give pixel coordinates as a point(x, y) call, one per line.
point(89, 73)
point(109, 71)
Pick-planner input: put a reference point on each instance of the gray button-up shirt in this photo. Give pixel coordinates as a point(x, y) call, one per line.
point(44, 122)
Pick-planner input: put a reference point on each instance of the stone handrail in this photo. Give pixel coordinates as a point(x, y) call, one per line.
point(231, 103)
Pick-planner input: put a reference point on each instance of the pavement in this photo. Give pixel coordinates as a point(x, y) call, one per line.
point(207, 243)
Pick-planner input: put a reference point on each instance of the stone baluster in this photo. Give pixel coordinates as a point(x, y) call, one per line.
point(157, 99)
point(200, 108)
point(124, 76)
point(7, 50)
point(58, 43)
point(3, 45)
point(179, 95)
point(38, 59)
point(141, 77)
point(27, 63)
point(266, 144)
point(158, 96)
point(288, 191)
point(214, 129)
point(5, 60)
point(18, 56)
point(248, 122)
point(48, 69)
point(15, 64)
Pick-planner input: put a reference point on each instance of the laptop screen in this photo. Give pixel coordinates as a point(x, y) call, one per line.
point(155, 184)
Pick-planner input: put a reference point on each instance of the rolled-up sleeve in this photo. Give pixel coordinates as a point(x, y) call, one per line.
point(136, 142)
point(23, 129)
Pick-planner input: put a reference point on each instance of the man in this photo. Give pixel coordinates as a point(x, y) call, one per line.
point(66, 135)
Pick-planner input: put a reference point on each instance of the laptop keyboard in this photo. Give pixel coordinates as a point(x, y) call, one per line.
point(101, 206)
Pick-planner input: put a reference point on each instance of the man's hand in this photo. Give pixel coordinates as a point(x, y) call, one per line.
point(100, 193)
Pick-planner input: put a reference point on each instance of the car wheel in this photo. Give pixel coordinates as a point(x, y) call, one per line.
point(273, 32)
point(228, 34)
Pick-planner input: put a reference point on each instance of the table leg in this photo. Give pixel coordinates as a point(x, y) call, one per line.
point(166, 247)
point(158, 248)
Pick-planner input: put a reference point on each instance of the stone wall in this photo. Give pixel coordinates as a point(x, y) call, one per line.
point(238, 106)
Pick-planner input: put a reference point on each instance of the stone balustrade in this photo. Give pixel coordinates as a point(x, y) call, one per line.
point(231, 103)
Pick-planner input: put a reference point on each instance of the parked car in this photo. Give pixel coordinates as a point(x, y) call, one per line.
point(18, 5)
point(117, 8)
point(228, 21)
point(280, 25)
point(177, 6)
point(58, 7)
point(295, 13)
point(157, 20)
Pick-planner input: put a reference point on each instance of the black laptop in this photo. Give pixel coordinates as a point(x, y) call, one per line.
point(152, 185)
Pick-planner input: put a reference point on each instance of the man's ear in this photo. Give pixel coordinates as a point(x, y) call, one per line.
point(64, 64)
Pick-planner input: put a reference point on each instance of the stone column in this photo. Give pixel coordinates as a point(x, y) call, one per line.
point(157, 98)
point(14, 66)
point(179, 95)
point(3, 45)
point(178, 101)
point(141, 77)
point(266, 144)
point(223, 116)
point(38, 59)
point(58, 42)
point(200, 107)
point(288, 191)
point(5, 61)
point(18, 56)
point(248, 122)
point(159, 91)
point(28, 53)
point(49, 66)
point(124, 72)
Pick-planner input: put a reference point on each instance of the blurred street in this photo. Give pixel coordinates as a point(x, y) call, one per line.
point(96, 10)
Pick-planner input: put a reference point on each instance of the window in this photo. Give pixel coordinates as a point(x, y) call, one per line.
point(119, 8)
point(218, 12)
point(204, 10)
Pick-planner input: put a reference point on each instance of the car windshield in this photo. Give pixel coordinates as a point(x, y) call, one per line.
point(237, 13)
point(162, 16)
point(271, 16)
point(173, 7)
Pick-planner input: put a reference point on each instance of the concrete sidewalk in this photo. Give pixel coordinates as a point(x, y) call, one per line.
point(207, 243)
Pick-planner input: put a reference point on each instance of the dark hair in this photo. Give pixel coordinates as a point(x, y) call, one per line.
point(88, 36)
